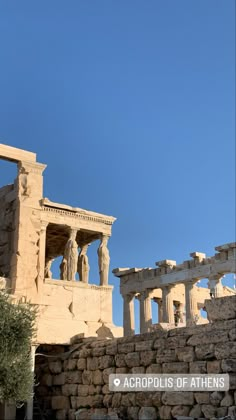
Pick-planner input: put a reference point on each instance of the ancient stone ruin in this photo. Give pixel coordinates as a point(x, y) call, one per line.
point(77, 345)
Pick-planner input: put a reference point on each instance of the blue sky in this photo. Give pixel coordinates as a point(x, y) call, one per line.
point(132, 106)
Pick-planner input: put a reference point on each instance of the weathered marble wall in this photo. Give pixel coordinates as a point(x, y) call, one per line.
point(80, 379)
point(7, 227)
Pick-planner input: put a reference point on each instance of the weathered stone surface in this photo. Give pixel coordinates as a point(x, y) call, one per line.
point(166, 355)
point(98, 377)
point(126, 348)
point(198, 367)
point(128, 399)
point(196, 412)
point(154, 368)
point(214, 366)
point(81, 364)
point(106, 362)
point(73, 377)
point(227, 400)
point(55, 367)
point(70, 364)
point(165, 412)
point(60, 403)
point(144, 345)
point(111, 349)
point(156, 399)
point(59, 379)
point(180, 410)
point(98, 351)
point(205, 352)
point(147, 357)
point(202, 397)
point(209, 411)
point(147, 413)
point(185, 354)
point(215, 398)
point(232, 412)
point(176, 342)
point(232, 334)
point(92, 363)
point(132, 359)
point(69, 389)
point(121, 370)
point(225, 350)
point(61, 415)
point(107, 372)
point(107, 400)
point(120, 360)
point(47, 380)
point(83, 390)
point(87, 377)
point(209, 338)
point(133, 413)
point(71, 414)
point(221, 308)
point(221, 412)
point(228, 365)
point(178, 398)
point(138, 369)
point(175, 367)
point(116, 400)
point(144, 399)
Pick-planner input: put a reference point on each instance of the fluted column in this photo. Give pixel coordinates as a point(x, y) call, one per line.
point(160, 309)
point(128, 314)
point(215, 286)
point(41, 255)
point(145, 312)
point(167, 303)
point(190, 303)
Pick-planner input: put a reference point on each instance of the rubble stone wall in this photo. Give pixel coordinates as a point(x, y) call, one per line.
point(7, 210)
point(80, 381)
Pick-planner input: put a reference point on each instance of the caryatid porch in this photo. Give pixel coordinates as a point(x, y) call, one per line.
point(174, 288)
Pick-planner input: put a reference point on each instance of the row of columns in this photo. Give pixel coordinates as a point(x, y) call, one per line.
point(72, 261)
point(165, 306)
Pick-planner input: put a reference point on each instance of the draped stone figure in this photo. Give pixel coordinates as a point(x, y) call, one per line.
point(71, 256)
point(83, 265)
point(63, 269)
point(47, 270)
point(103, 261)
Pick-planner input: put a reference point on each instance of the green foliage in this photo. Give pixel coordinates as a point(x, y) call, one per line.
point(17, 327)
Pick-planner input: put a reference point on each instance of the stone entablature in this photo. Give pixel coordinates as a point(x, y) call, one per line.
point(33, 232)
point(165, 285)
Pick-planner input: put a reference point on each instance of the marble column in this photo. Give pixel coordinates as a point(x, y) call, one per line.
point(190, 303)
point(145, 312)
point(30, 402)
point(167, 302)
point(128, 315)
point(71, 256)
point(215, 286)
point(160, 309)
point(103, 261)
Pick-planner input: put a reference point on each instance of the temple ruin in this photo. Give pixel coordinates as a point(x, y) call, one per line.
point(33, 232)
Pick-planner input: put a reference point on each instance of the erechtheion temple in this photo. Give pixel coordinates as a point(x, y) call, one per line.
point(174, 288)
point(33, 232)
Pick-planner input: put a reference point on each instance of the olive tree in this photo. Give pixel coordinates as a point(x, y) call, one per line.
point(17, 328)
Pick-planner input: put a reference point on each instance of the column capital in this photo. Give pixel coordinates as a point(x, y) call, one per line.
point(43, 225)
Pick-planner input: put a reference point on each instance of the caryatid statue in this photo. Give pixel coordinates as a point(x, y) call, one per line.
point(71, 256)
point(83, 265)
point(47, 270)
point(103, 261)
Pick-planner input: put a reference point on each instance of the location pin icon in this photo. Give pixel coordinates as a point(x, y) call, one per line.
point(117, 382)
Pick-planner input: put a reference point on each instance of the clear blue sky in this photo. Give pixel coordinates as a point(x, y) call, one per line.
point(132, 106)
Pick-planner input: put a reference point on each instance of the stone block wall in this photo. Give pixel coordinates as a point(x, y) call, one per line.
point(78, 380)
point(7, 213)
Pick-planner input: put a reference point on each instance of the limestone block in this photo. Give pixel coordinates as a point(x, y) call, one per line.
point(116, 400)
point(83, 390)
point(144, 345)
point(210, 338)
point(178, 398)
point(165, 412)
point(147, 357)
point(92, 363)
point(214, 366)
point(232, 412)
point(81, 364)
point(46, 380)
point(83, 414)
point(205, 352)
point(166, 355)
point(87, 377)
point(221, 412)
point(126, 348)
point(225, 350)
point(99, 414)
point(107, 400)
point(111, 349)
point(221, 308)
point(120, 360)
point(61, 415)
point(144, 399)
point(175, 342)
point(83, 401)
point(154, 368)
point(105, 389)
point(138, 369)
point(227, 400)
point(202, 397)
point(229, 365)
point(175, 367)
point(70, 364)
point(71, 414)
point(73, 377)
point(216, 397)
point(132, 359)
point(106, 372)
point(55, 367)
point(159, 344)
point(121, 370)
point(147, 413)
point(232, 380)
point(185, 354)
point(84, 353)
point(156, 399)
point(106, 361)
point(195, 412)
point(59, 379)
point(96, 401)
point(60, 403)
point(99, 351)
point(209, 411)
point(197, 367)
point(97, 377)
point(128, 400)
point(133, 413)
point(69, 389)
point(180, 410)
